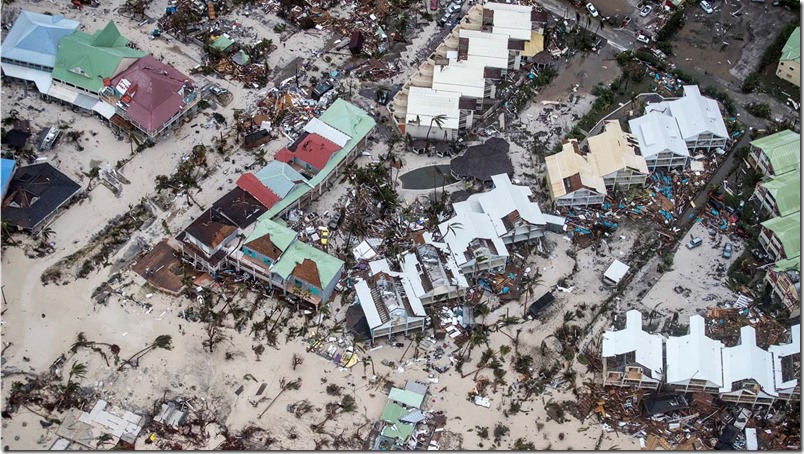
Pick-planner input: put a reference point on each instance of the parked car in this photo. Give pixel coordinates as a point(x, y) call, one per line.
point(694, 242)
point(643, 38)
point(645, 10)
point(444, 19)
point(433, 5)
point(707, 7)
point(454, 7)
point(334, 221)
point(759, 255)
point(727, 251)
point(324, 232)
point(591, 8)
point(311, 216)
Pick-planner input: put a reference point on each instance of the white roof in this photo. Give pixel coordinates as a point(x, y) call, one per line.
point(364, 251)
point(694, 356)
point(657, 133)
point(472, 225)
point(42, 79)
point(426, 103)
point(747, 361)
point(648, 347)
point(616, 271)
point(505, 198)
point(434, 266)
point(782, 350)
point(316, 126)
point(694, 114)
point(367, 301)
point(460, 77)
point(512, 20)
point(487, 49)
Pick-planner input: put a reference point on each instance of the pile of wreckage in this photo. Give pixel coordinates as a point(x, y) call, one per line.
point(337, 349)
point(724, 324)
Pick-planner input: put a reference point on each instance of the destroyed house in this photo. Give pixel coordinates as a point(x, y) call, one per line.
point(389, 302)
point(480, 162)
point(693, 360)
point(29, 50)
point(206, 242)
point(34, 196)
point(780, 237)
point(632, 357)
point(308, 153)
point(779, 196)
point(787, 366)
point(433, 274)
point(784, 278)
point(700, 123)
point(151, 96)
point(659, 141)
point(776, 154)
point(571, 179)
point(747, 372)
point(614, 154)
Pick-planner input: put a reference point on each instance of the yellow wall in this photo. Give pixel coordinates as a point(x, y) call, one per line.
point(790, 71)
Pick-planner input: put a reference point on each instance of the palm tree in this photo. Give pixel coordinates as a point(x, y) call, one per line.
point(163, 341)
point(78, 370)
point(530, 286)
point(45, 234)
point(439, 121)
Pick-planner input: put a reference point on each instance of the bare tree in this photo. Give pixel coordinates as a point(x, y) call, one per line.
point(297, 360)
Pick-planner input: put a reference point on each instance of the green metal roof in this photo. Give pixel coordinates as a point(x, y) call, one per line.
point(406, 397)
point(783, 150)
point(786, 191)
point(788, 230)
point(788, 264)
point(348, 119)
point(391, 413)
point(401, 431)
point(221, 43)
point(328, 266)
point(280, 235)
point(792, 49)
point(85, 60)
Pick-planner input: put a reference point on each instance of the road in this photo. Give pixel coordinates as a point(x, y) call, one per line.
point(620, 39)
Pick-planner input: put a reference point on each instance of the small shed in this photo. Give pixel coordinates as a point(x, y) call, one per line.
point(556, 224)
point(615, 273)
point(356, 42)
point(540, 304)
point(666, 403)
point(256, 138)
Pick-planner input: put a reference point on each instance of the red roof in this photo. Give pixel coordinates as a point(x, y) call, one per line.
point(315, 150)
point(249, 183)
point(284, 155)
point(157, 97)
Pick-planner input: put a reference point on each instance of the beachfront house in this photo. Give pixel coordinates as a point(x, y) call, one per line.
point(776, 154)
point(748, 375)
point(789, 67)
point(699, 121)
point(29, 50)
point(433, 273)
point(632, 357)
point(571, 179)
point(659, 141)
point(779, 196)
point(150, 98)
point(34, 195)
point(614, 155)
point(784, 279)
point(787, 366)
point(389, 302)
point(693, 360)
point(780, 237)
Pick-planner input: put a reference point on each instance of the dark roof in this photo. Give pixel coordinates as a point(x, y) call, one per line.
point(17, 138)
point(665, 403)
point(162, 268)
point(256, 138)
point(538, 16)
point(540, 304)
point(210, 228)
point(35, 193)
point(542, 58)
point(459, 196)
point(356, 321)
point(482, 161)
point(240, 207)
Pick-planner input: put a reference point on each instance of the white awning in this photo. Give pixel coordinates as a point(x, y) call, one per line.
point(65, 94)
point(104, 109)
point(42, 79)
point(85, 101)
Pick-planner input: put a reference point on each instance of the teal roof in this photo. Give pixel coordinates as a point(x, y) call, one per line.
point(792, 49)
point(348, 119)
point(280, 235)
point(788, 264)
point(391, 413)
point(786, 191)
point(85, 60)
point(783, 150)
point(400, 431)
point(221, 43)
point(788, 230)
point(328, 266)
point(406, 397)
point(280, 178)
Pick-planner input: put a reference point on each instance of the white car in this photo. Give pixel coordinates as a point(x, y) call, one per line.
point(453, 8)
point(645, 10)
point(591, 8)
point(642, 38)
point(707, 7)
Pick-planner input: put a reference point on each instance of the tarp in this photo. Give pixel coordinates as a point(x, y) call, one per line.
point(8, 166)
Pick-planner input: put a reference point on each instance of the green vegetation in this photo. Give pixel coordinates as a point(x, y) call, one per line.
point(721, 96)
point(759, 110)
point(769, 57)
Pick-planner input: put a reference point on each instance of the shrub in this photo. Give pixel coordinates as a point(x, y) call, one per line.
point(751, 83)
point(759, 109)
point(673, 25)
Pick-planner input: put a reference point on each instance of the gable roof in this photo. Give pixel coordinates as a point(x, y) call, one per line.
point(783, 150)
point(85, 60)
point(506, 199)
point(648, 347)
point(300, 253)
point(347, 118)
point(694, 114)
point(239, 207)
point(786, 191)
point(312, 149)
point(34, 193)
point(406, 397)
point(788, 230)
point(210, 229)
point(280, 178)
point(657, 133)
point(747, 361)
point(613, 150)
point(780, 351)
point(694, 356)
point(249, 183)
point(158, 92)
point(792, 48)
point(35, 38)
point(568, 171)
point(270, 239)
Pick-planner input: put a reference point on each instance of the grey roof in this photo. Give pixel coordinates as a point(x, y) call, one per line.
point(35, 38)
point(484, 160)
point(35, 192)
point(279, 178)
point(413, 417)
point(416, 387)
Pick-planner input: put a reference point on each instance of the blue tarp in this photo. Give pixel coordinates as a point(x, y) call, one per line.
point(8, 171)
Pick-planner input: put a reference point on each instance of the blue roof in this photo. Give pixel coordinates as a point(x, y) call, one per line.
point(280, 178)
point(35, 38)
point(8, 166)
